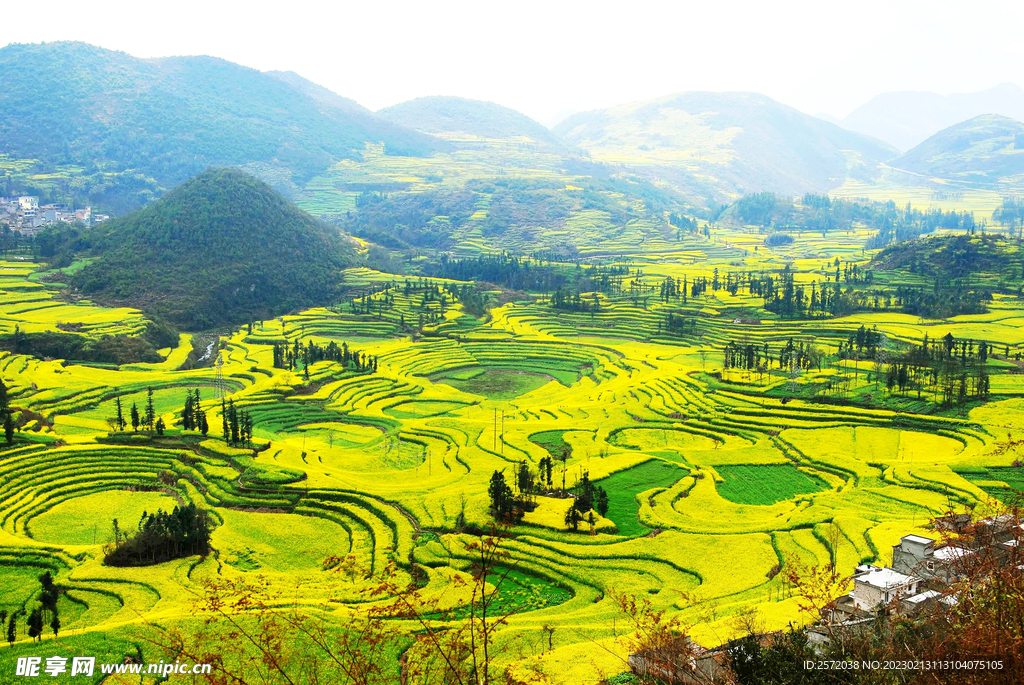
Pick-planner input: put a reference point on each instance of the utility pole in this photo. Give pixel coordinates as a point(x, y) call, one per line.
point(494, 440)
point(503, 431)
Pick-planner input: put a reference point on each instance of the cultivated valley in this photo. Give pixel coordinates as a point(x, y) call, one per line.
point(376, 393)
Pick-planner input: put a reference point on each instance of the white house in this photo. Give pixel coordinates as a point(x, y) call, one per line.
point(875, 587)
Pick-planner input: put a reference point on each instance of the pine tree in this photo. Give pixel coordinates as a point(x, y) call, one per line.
point(35, 624)
point(233, 421)
point(12, 629)
point(160, 426)
point(135, 418)
point(120, 414)
point(150, 410)
point(188, 413)
point(224, 419)
point(204, 427)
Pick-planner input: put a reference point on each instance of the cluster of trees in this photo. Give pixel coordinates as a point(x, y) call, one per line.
point(1011, 215)
point(506, 506)
point(531, 274)
point(286, 357)
point(160, 537)
point(759, 358)
point(950, 367)
point(44, 614)
point(682, 223)
point(678, 324)
point(572, 301)
point(236, 424)
point(146, 419)
point(821, 214)
point(588, 498)
point(6, 414)
point(193, 416)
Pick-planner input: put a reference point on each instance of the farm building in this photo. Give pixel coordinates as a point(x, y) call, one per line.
point(928, 559)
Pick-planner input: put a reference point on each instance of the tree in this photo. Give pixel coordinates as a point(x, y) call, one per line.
point(119, 415)
point(135, 418)
point(188, 413)
point(150, 410)
point(224, 419)
point(602, 502)
point(573, 517)
point(35, 624)
point(160, 426)
point(8, 428)
point(12, 629)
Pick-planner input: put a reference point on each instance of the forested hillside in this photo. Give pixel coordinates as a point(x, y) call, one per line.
point(116, 130)
point(222, 248)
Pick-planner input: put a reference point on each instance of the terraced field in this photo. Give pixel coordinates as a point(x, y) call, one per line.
point(714, 475)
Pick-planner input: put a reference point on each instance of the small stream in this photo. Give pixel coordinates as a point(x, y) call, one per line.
point(209, 351)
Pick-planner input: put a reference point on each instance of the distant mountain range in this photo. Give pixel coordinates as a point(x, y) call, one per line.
point(87, 125)
point(906, 118)
point(985, 150)
point(170, 118)
point(446, 116)
point(710, 143)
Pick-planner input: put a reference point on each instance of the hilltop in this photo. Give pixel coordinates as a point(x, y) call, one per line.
point(990, 258)
point(986, 149)
point(222, 248)
point(726, 144)
point(453, 115)
point(151, 123)
point(907, 118)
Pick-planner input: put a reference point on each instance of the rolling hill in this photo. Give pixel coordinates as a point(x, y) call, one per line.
point(223, 247)
point(907, 118)
point(987, 149)
point(454, 115)
point(726, 144)
point(83, 110)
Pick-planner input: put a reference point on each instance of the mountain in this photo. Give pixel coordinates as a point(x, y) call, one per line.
point(166, 119)
point(453, 115)
point(560, 116)
point(986, 149)
point(726, 144)
point(222, 248)
point(906, 118)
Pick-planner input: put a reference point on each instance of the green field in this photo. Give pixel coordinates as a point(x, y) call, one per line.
point(626, 486)
point(765, 484)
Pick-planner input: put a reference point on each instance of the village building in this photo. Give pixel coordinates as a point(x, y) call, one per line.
point(874, 588)
point(929, 559)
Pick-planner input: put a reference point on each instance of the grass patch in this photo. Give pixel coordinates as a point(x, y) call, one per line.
point(765, 483)
point(624, 486)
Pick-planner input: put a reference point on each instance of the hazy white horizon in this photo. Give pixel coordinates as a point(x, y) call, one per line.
point(545, 58)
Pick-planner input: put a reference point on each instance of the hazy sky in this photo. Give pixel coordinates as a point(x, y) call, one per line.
point(545, 57)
